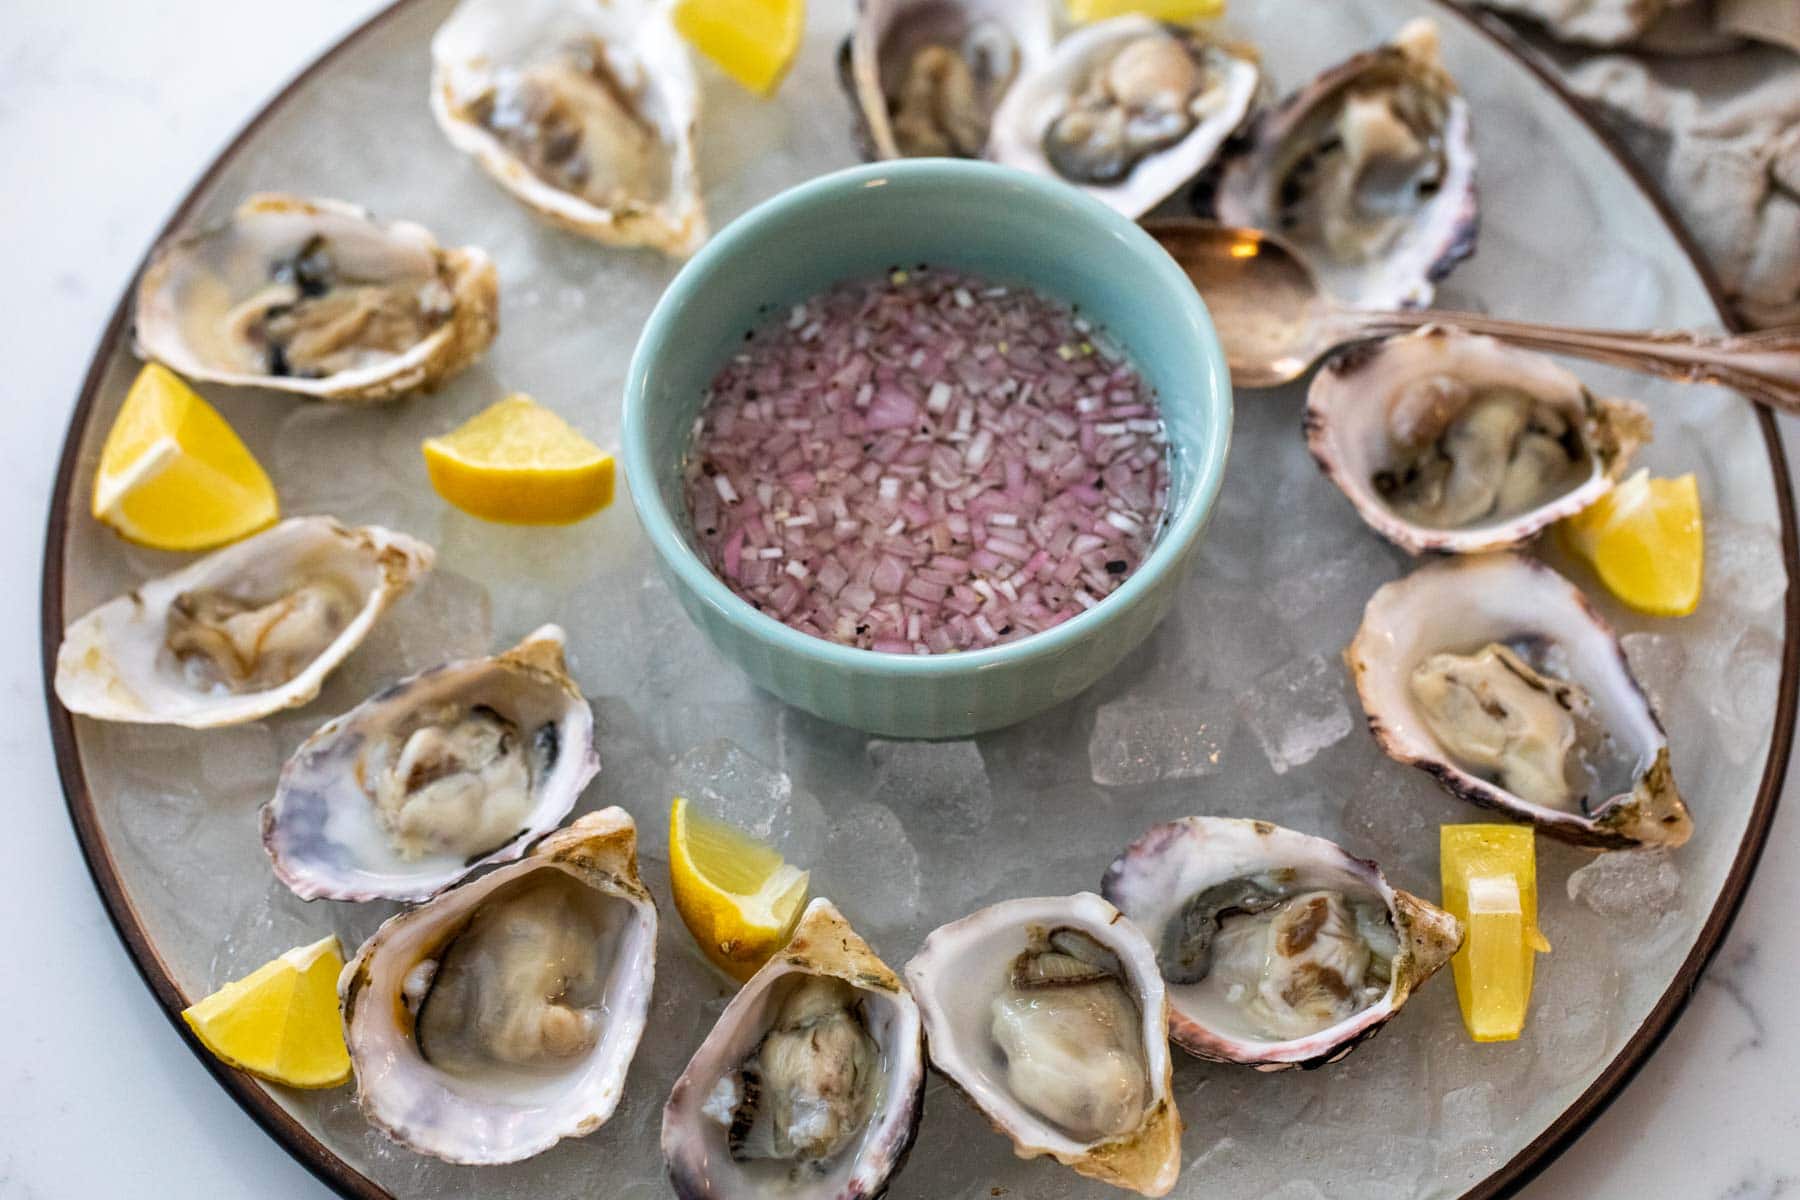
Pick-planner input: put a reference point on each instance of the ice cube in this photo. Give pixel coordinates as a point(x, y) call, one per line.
point(1743, 566)
point(241, 762)
point(1230, 630)
point(732, 785)
point(941, 787)
point(1309, 600)
point(1390, 1067)
point(1298, 710)
point(1657, 661)
point(870, 869)
point(1627, 883)
point(1466, 1114)
point(1744, 696)
point(1574, 999)
point(1135, 743)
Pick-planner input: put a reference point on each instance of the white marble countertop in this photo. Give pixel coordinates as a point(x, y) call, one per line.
point(107, 113)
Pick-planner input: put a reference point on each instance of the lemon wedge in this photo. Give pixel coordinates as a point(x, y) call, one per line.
point(753, 41)
point(735, 894)
point(174, 475)
point(1162, 10)
point(1647, 542)
point(1490, 885)
point(519, 463)
point(280, 1021)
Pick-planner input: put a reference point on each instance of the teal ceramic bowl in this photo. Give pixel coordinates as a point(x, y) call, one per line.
point(991, 221)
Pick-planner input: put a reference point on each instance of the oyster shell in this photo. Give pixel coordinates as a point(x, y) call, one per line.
point(500, 1017)
point(1497, 677)
point(1446, 441)
point(1368, 170)
point(583, 109)
point(244, 632)
point(811, 1082)
point(925, 76)
point(1050, 1016)
point(316, 297)
point(1279, 949)
point(452, 769)
point(1128, 110)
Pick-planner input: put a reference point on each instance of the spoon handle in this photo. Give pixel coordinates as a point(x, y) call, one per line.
point(1764, 367)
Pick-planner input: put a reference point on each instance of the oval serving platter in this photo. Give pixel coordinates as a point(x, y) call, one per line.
point(1238, 706)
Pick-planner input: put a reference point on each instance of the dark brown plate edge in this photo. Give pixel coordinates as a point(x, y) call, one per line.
point(336, 1173)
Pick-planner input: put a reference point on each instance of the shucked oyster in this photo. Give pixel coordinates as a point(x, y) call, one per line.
point(1126, 109)
point(1279, 949)
point(583, 109)
point(319, 298)
point(1368, 170)
point(1496, 676)
point(501, 1017)
point(1445, 441)
point(1049, 1014)
point(927, 75)
point(457, 767)
point(810, 1083)
point(245, 632)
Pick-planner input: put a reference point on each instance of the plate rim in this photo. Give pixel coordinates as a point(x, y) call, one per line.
point(337, 1173)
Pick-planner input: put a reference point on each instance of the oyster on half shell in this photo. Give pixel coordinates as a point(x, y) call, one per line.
point(457, 767)
point(584, 110)
point(1050, 1015)
point(811, 1083)
point(1128, 110)
point(926, 76)
point(1279, 949)
point(1447, 441)
point(316, 297)
point(247, 631)
point(1369, 171)
point(1497, 677)
point(500, 1017)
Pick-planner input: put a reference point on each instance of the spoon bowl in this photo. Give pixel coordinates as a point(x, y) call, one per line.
point(1275, 319)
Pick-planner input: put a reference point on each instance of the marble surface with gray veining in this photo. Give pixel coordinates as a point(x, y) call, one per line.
point(107, 112)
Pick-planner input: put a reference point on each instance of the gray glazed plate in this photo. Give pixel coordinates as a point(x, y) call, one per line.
point(1237, 706)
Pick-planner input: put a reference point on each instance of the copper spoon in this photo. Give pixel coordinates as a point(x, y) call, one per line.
point(1275, 321)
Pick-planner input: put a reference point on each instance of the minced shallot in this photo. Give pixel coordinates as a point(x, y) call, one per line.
point(926, 462)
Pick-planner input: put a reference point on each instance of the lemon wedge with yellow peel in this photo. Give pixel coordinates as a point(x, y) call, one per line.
point(735, 894)
point(1162, 10)
point(280, 1021)
point(1647, 542)
point(519, 463)
point(173, 473)
point(1490, 885)
point(753, 41)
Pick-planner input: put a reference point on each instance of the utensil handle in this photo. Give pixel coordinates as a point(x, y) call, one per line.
point(1764, 366)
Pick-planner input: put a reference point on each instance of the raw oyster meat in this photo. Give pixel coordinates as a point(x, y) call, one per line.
point(452, 769)
point(247, 631)
point(1050, 1015)
point(1369, 170)
point(1497, 677)
point(1279, 949)
point(583, 109)
point(319, 298)
point(810, 1084)
point(926, 76)
point(1127, 109)
point(500, 1017)
point(1446, 441)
